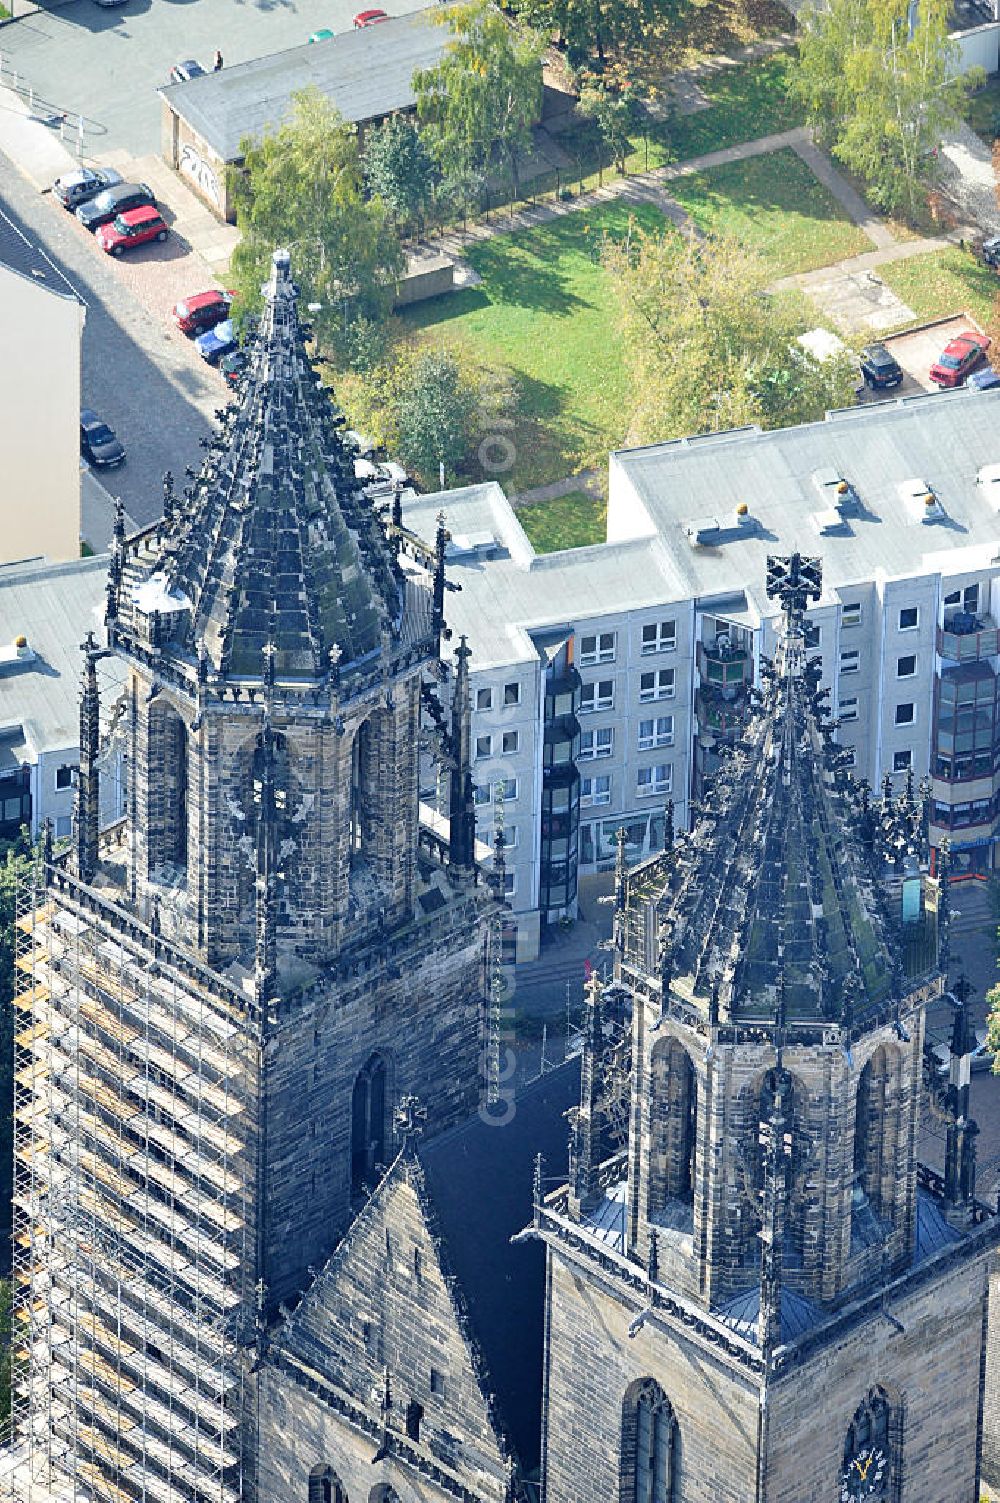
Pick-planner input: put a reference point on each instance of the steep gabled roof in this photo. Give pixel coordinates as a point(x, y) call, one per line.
point(276, 545)
point(385, 1311)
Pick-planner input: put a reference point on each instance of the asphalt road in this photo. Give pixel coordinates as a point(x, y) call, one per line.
point(106, 65)
point(135, 372)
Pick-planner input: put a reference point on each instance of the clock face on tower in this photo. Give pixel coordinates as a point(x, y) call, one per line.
point(863, 1476)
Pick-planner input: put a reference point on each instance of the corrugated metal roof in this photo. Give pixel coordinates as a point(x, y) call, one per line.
point(366, 73)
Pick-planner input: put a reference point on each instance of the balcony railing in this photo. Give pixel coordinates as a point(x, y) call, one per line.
point(967, 646)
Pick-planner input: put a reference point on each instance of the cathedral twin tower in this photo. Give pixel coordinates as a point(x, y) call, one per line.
point(754, 1291)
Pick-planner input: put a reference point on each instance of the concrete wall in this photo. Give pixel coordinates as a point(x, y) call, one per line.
point(199, 166)
point(39, 420)
point(426, 277)
point(979, 48)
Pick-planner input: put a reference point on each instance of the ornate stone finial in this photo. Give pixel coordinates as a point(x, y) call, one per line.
point(397, 504)
point(87, 823)
point(118, 532)
point(653, 1265)
point(47, 842)
point(409, 1120)
point(537, 1174)
point(440, 547)
point(335, 654)
point(268, 653)
point(794, 581)
point(168, 496)
point(202, 651)
point(668, 825)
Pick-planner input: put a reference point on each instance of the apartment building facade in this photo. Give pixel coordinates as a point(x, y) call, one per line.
point(607, 680)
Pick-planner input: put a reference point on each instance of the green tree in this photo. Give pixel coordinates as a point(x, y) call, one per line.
point(597, 29)
point(301, 187)
point(616, 113)
point(708, 349)
point(478, 104)
point(879, 82)
point(436, 415)
point(399, 169)
point(6, 1334)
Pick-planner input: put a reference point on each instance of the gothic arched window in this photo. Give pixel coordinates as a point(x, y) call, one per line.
point(650, 1446)
point(877, 1129)
point(868, 1464)
point(325, 1486)
point(673, 1125)
point(369, 1122)
point(167, 793)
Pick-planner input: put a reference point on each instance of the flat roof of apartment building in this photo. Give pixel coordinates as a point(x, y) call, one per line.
point(889, 490)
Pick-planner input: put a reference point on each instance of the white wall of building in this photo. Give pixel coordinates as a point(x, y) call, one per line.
point(39, 420)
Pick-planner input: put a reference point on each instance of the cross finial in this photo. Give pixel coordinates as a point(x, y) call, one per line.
point(410, 1119)
point(794, 581)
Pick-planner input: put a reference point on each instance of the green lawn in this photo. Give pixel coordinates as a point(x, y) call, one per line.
point(747, 102)
point(570, 521)
point(983, 111)
point(944, 282)
point(545, 307)
point(775, 204)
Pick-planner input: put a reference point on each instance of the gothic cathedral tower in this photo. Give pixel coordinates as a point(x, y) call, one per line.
point(224, 998)
point(757, 1294)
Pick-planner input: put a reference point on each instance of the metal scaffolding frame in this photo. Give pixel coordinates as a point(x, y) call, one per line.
point(133, 1238)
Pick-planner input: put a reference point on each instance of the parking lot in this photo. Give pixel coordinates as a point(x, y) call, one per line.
point(106, 65)
point(916, 351)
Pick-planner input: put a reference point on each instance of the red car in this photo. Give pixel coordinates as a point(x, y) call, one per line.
point(370, 17)
point(203, 311)
point(134, 227)
point(961, 355)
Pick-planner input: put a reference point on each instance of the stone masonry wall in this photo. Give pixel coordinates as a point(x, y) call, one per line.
point(991, 1403)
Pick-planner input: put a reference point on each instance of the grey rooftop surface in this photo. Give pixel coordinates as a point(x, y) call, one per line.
point(366, 73)
point(52, 605)
point(21, 255)
point(943, 441)
point(506, 587)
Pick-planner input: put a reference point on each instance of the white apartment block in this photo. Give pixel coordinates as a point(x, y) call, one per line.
point(603, 677)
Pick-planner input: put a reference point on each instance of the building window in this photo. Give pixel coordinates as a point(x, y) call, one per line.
point(511, 742)
point(597, 649)
point(657, 779)
point(509, 788)
point(906, 667)
point(869, 1463)
point(658, 732)
point(902, 761)
point(811, 634)
point(509, 884)
point(658, 685)
point(597, 696)
point(64, 826)
point(414, 1414)
point(649, 1445)
point(325, 1486)
point(595, 790)
point(484, 746)
point(64, 777)
point(596, 743)
point(510, 837)
point(970, 599)
point(847, 709)
point(511, 694)
point(482, 793)
point(850, 662)
point(369, 1123)
point(905, 714)
point(848, 756)
point(659, 636)
point(437, 1382)
point(850, 614)
point(909, 617)
point(484, 699)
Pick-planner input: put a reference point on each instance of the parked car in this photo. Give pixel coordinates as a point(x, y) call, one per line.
point(113, 201)
point(233, 365)
point(110, 4)
point(98, 444)
point(323, 35)
point(370, 18)
point(987, 380)
point(134, 227)
point(203, 311)
point(217, 342)
point(990, 252)
point(75, 188)
point(880, 369)
point(185, 71)
point(959, 356)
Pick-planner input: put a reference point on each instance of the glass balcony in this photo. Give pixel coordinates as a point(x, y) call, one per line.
point(964, 638)
point(726, 666)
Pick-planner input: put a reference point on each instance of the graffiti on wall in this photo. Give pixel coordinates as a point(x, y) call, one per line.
point(201, 173)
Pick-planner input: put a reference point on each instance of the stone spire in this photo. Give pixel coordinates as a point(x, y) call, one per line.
point(773, 884)
point(88, 778)
point(276, 535)
point(462, 804)
point(586, 1134)
point(962, 1130)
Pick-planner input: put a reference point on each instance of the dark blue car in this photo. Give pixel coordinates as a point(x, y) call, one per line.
point(217, 342)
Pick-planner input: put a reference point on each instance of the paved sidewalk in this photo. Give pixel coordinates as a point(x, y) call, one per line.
point(849, 199)
point(969, 181)
point(586, 480)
